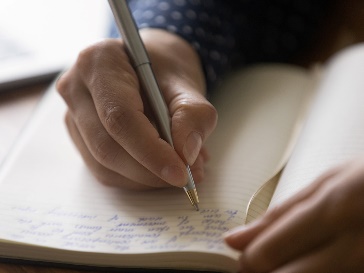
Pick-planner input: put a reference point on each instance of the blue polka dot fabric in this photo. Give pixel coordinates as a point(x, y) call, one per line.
point(228, 33)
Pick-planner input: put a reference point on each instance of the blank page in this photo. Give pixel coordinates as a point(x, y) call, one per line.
point(334, 131)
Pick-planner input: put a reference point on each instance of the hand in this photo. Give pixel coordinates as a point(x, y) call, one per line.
point(111, 126)
point(320, 229)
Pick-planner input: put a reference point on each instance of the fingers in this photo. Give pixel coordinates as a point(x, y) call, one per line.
point(296, 233)
point(101, 149)
point(109, 162)
point(103, 174)
point(115, 95)
point(111, 125)
point(303, 229)
point(242, 236)
point(130, 174)
point(333, 257)
point(343, 254)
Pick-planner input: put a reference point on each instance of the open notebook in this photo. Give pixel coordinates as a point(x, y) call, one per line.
point(39, 38)
point(53, 210)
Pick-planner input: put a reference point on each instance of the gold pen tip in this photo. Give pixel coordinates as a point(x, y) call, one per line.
point(192, 196)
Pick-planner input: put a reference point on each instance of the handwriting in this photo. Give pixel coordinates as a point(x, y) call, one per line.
point(115, 232)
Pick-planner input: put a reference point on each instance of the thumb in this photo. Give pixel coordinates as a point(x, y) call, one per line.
point(193, 120)
point(181, 79)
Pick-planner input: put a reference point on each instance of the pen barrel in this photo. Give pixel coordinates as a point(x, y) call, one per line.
point(155, 101)
point(129, 32)
point(140, 60)
point(139, 57)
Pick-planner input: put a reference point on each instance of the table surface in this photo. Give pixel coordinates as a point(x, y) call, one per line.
point(344, 27)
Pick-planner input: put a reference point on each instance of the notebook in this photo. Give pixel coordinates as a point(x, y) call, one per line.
point(39, 38)
point(53, 210)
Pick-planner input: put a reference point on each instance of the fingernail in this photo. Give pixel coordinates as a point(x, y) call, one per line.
point(174, 175)
point(192, 147)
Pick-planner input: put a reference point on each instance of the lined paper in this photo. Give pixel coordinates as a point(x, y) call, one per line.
point(49, 198)
point(334, 131)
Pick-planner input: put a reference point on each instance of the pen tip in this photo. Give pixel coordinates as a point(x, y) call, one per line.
point(196, 207)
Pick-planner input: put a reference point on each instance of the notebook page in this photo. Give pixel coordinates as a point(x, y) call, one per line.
point(48, 197)
point(334, 131)
point(272, 126)
point(261, 199)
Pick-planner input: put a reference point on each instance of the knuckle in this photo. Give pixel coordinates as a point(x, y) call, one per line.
point(63, 87)
point(86, 57)
point(105, 66)
point(201, 112)
point(205, 114)
point(105, 152)
point(209, 113)
point(117, 120)
point(96, 55)
point(94, 52)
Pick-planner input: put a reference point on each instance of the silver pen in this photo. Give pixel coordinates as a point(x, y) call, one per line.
point(142, 65)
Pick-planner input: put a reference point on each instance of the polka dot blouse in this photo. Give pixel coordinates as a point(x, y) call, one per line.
point(227, 33)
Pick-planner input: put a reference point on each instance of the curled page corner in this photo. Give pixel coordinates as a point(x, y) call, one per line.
point(259, 202)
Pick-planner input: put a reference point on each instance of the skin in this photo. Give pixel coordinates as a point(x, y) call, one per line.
point(113, 130)
point(320, 229)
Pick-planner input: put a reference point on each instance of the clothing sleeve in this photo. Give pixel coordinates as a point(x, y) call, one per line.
point(207, 25)
point(230, 33)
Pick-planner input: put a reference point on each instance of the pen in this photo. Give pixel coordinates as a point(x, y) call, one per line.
point(142, 65)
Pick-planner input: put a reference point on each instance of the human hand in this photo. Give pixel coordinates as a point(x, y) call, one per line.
point(112, 127)
point(320, 229)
